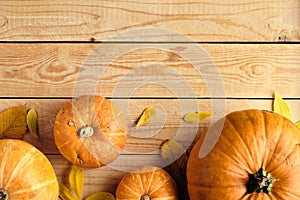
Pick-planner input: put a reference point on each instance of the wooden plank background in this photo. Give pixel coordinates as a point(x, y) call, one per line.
point(48, 49)
point(202, 20)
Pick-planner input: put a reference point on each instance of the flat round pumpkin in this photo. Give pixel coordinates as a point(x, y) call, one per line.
point(25, 172)
point(147, 183)
point(257, 156)
point(90, 131)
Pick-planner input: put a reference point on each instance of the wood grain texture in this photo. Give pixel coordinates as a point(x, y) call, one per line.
point(200, 20)
point(147, 139)
point(150, 70)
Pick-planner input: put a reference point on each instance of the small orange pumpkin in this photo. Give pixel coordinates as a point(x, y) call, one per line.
point(147, 183)
point(257, 156)
point(90, 131)
point(25, 172)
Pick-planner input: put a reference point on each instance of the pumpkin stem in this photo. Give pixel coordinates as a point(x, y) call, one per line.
point(145, 197)
point(3, 195)
point(261, 181)
point(86, 131)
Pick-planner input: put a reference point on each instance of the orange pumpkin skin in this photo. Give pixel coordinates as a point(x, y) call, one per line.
point(106, 121)
point(250, 140)
point(25, 172)
point(146, 183)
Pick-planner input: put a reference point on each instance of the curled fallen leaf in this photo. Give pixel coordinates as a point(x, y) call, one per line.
point(174, 152)
point(76, 180)
point(196, 116)
point(65, 193)
point(32, 122)
point(281, 107)
point(101, 196)
point(146, 116)
point(13, 122)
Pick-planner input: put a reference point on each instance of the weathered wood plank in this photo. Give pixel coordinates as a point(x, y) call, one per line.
point(201, 20)
point(150, 70)
point(167, 124)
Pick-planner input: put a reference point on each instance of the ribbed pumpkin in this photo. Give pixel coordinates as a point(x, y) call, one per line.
point(147, 183)
point(90, 131)
point(257, 156)
point(25, 172)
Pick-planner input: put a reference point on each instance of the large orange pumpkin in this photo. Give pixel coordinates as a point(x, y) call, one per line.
point(147, 183)
point(90, 131)
point(257, 156)
point(25, 172)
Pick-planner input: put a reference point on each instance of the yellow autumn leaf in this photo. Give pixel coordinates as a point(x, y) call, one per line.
point(65, 193)
point(32, 122)
point(298, 124)
point(171, 150)
point(196, 116)
point(13, 122)
point(280, 107)
point(101, 196)
point(147, 115)
point(76, 180)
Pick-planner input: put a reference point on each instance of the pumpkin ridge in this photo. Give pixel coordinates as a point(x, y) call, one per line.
point(20, 165)
point(257, 149)
point(221, 152)
point(286, 191)
point(246, 146)
point(275, 150)
point(160, 185)
point(266, 152)
point(236, 150)
point(281, 134)
point(130, 189)
point(141, 181)
point(150, 182)
point(284, 160)
point(35, 187)
point(3, 164)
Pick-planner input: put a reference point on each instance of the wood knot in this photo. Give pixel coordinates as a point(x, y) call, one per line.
point(3, 20)
point(288, 36)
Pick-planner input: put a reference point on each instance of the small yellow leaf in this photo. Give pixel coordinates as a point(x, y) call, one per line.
point(65, 193)
point(298, 124)
point(196, 116)
point(171, 150)
point(280, 107)
point(101, 196)
point(76, 180)
point(32, 122)
point(13, 122)
point(147, 115)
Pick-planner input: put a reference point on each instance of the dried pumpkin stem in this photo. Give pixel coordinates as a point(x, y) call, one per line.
point(145, 197)
point(3, 195)
point(86, 131)
point(259, 182)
